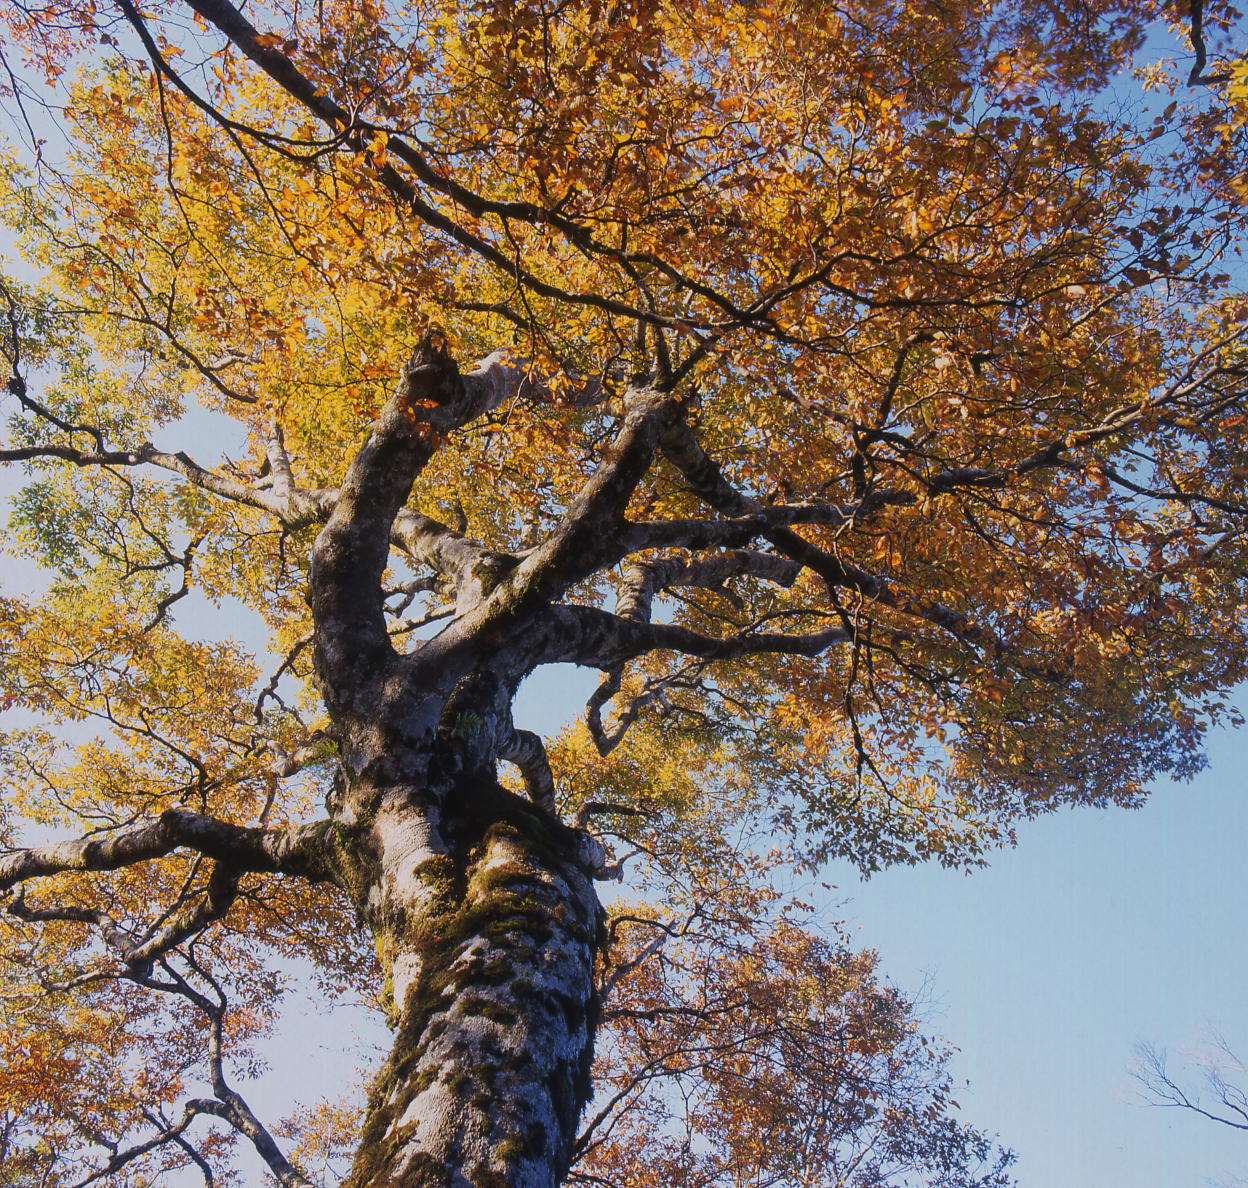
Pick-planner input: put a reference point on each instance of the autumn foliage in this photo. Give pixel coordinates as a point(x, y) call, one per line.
point(863, 396)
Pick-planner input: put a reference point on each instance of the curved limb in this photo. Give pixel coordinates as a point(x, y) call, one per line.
point(526, 750)
point(227, 1103)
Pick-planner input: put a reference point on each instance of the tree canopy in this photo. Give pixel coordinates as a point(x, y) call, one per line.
point(859, 388)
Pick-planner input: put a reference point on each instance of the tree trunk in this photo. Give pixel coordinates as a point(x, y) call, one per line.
point(487, 925)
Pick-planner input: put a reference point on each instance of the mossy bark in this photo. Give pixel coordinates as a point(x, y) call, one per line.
point(488, 927)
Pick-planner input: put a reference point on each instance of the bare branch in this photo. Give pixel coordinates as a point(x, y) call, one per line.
point(1161, 1089)
point(184, 920)
point(606, 741)
point(643, 580)
point(295, 509)
point(190, 919)
point(1196, 31)
point(169, 1133)
point(229, 1105)
point(584, 538)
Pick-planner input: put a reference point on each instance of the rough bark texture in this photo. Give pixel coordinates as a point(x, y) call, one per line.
point(486, 924)
point(481, 903)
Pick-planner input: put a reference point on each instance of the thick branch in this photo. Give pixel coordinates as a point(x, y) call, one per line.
point(294, 850)
point(707, 481)
point(599, 639)
point(353, 649)
point(192, 918)
point(643, 580)
point(229, 1105)
point(607, 740)
point(587, 536)
point(740, 530)
point(184, 920)
point(1196, 31)
point(526, 750)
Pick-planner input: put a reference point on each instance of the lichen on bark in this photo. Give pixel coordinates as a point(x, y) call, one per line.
point(494, 1007)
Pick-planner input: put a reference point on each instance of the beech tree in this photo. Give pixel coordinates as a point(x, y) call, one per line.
point(859, 389)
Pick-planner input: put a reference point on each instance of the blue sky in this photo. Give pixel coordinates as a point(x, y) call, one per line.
point(1100, 929)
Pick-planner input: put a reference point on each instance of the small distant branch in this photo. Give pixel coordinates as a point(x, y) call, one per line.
point(1161, 1089)
point(168, 1133)
point(227, 1103)
point(270, 689)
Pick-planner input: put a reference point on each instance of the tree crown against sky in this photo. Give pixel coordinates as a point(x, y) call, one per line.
point(860, 390)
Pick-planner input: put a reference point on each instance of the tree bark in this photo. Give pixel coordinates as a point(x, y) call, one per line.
point(487, 925)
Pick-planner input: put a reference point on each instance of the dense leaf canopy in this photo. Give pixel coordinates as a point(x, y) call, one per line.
point(862, 392)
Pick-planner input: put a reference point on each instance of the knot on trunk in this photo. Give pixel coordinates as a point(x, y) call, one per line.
point(431, 389)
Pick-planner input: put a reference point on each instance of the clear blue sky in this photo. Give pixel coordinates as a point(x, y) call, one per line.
point(1102, 928)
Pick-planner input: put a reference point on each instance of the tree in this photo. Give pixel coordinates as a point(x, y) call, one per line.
point(861, 392)
point(1220, 1068)
point(1222, 1099)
